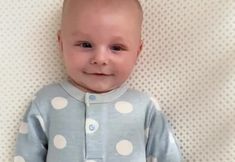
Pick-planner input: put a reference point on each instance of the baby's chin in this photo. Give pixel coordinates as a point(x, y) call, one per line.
point(100, 89)
point(96, 88)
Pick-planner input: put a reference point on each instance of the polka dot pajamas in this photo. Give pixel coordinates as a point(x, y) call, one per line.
point(64, 124)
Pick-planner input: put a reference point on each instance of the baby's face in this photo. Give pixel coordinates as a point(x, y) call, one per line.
point(100, 45)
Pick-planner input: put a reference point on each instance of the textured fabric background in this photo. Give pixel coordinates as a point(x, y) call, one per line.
point(188, 63)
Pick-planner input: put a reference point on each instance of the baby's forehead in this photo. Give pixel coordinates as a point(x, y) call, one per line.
point(136, 2)
point(130, 5)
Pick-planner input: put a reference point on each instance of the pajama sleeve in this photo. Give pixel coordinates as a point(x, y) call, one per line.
point(31, 143)
point(161, 145)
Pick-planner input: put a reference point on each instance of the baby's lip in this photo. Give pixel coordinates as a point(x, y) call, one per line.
point(98, 73)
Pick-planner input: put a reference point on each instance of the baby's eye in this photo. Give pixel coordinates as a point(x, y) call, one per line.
point(117, 48)
point(84, 45)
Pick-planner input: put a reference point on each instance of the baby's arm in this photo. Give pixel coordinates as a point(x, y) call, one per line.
point(31, 143)
point(161, 145)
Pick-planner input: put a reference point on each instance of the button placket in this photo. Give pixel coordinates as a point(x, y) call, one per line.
point(87, 101)
point(92, 126)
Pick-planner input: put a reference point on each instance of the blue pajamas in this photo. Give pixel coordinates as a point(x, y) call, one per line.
point(64, 124)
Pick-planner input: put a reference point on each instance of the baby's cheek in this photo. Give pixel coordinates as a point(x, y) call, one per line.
point(127, 69)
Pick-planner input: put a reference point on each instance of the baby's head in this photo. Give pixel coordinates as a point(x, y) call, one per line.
point(100, 41)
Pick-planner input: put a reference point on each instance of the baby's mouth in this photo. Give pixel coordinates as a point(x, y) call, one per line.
point(98, 74)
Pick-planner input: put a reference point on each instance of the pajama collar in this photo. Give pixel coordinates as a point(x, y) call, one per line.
point(88, 98)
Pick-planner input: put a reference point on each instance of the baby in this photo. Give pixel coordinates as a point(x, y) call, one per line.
point(93, 116)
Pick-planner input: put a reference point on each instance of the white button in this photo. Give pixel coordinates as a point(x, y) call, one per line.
point(91, 126)
point(92, 97)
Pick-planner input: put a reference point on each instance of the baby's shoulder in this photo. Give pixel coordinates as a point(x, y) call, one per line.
point(137, 94)
point(142, 98)
point(47, 92)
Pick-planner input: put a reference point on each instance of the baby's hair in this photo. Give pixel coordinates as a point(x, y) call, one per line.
point(136, 2)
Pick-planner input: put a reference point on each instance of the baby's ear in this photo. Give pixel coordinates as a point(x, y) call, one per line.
point(59, 40)
point(140, 47)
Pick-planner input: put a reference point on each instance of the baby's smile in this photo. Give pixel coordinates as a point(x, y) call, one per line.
point(98, 74)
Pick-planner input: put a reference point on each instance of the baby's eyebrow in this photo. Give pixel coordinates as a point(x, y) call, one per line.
point(121, 40)
point(118, 38)
point(78, 33)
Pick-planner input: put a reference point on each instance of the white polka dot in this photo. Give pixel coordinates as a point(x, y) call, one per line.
point(19, 159)
point(59, 102)
point(90, 161)
point(91, 126)
point(124, 107)
point(151, 159)
point(59, 141)
point(124, 147)
point(23, 128)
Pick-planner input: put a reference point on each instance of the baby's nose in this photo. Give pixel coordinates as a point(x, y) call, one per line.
point(100, 57)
